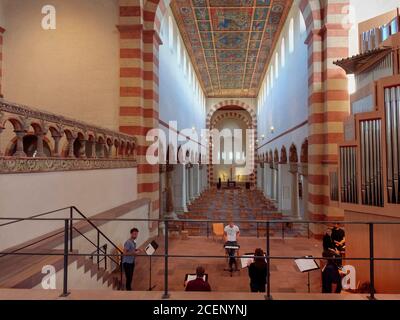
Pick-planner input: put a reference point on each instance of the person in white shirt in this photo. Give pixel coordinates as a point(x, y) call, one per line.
point(231, 235)
point(231, 232)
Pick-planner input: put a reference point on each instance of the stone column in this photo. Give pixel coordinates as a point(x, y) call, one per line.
point(1, 152)
point(56, 151)
point(196, 180)
point(303, 170)
point(191, 183)
point(201, 168)
point(295, 191)
point(187, 184)
point(169, 186)
point(267, 178)
point(179, 188)
point(20, 144)
point(272, 181)
point(71, 140)
point(261, 177)
point(39, 146)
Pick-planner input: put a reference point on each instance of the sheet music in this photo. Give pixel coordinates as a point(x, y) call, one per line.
point(246, 260)
point(150, 250)
point(191, 277)
point(306, 265)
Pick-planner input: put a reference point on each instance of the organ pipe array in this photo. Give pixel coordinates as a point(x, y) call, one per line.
point(392, 112)
point(348, 160)
point(371, 163)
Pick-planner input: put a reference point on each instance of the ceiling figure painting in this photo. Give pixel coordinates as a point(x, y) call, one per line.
point(230, 41)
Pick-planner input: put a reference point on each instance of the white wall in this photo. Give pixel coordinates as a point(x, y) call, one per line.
point(285, 105)
point(24, 195)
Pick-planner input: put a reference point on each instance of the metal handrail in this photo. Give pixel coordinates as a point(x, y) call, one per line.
point(68, 231)
point(35, 216)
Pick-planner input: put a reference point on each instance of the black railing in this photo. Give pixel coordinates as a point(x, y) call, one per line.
point(101, 254)
point(68, 230)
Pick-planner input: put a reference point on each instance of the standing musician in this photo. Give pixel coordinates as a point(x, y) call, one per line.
point(231, 236)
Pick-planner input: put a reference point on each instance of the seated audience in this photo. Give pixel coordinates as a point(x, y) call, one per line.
point(258, 272)
point(198, 284)
point(331, 278)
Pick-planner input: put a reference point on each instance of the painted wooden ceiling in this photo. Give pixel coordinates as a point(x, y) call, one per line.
point(230, 41)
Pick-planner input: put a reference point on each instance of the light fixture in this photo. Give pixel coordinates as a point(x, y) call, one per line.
point(263, 137)
point(272, 129)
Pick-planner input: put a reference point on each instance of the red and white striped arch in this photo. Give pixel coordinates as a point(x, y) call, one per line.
point(252, 125)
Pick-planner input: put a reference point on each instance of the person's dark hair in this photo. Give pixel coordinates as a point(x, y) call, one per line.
point(259, 259)
point(134, 230)
point(200, 271)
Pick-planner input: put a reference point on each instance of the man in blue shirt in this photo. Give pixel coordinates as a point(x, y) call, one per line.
point(128, 259)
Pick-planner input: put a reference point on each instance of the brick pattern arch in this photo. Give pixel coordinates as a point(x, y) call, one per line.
point(327, 40)
point(253, 125)
point(236, 103)
point(153, 13)
point(231, 115)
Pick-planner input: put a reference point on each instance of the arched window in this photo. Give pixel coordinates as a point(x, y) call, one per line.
point(283, 53)
point(184, 63)
point(272, 76)
point(302, 23)
point(276, 65)
point(178, 50)
point(291, 36)
point(170, 33)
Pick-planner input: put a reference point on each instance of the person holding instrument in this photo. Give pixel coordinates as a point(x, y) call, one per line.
point(231, 236)
point(258, 272)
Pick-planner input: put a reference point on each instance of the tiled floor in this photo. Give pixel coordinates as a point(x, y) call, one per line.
point(285, 277)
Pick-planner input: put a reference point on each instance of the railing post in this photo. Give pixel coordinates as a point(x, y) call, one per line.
point(71, 217)
point(65, 281)
point(98, 249)
point(208, 230)
point(105, 256)
point(371, 262)
point(308, 230)
point(166, 294)
point(283, 231)
point(268, 296)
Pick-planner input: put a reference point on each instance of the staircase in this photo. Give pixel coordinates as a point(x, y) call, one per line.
point(23, 269)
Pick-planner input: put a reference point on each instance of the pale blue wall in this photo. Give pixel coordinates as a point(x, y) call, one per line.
point(286, 105)
point(178, 100)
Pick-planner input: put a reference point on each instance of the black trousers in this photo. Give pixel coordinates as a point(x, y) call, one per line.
point(129, 268)
point(257, 287)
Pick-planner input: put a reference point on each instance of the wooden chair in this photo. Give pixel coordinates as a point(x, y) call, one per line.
point(218, 230)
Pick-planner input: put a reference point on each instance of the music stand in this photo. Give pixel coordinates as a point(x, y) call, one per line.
point(307, 265)
point(150, 250)
point(227, 249)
